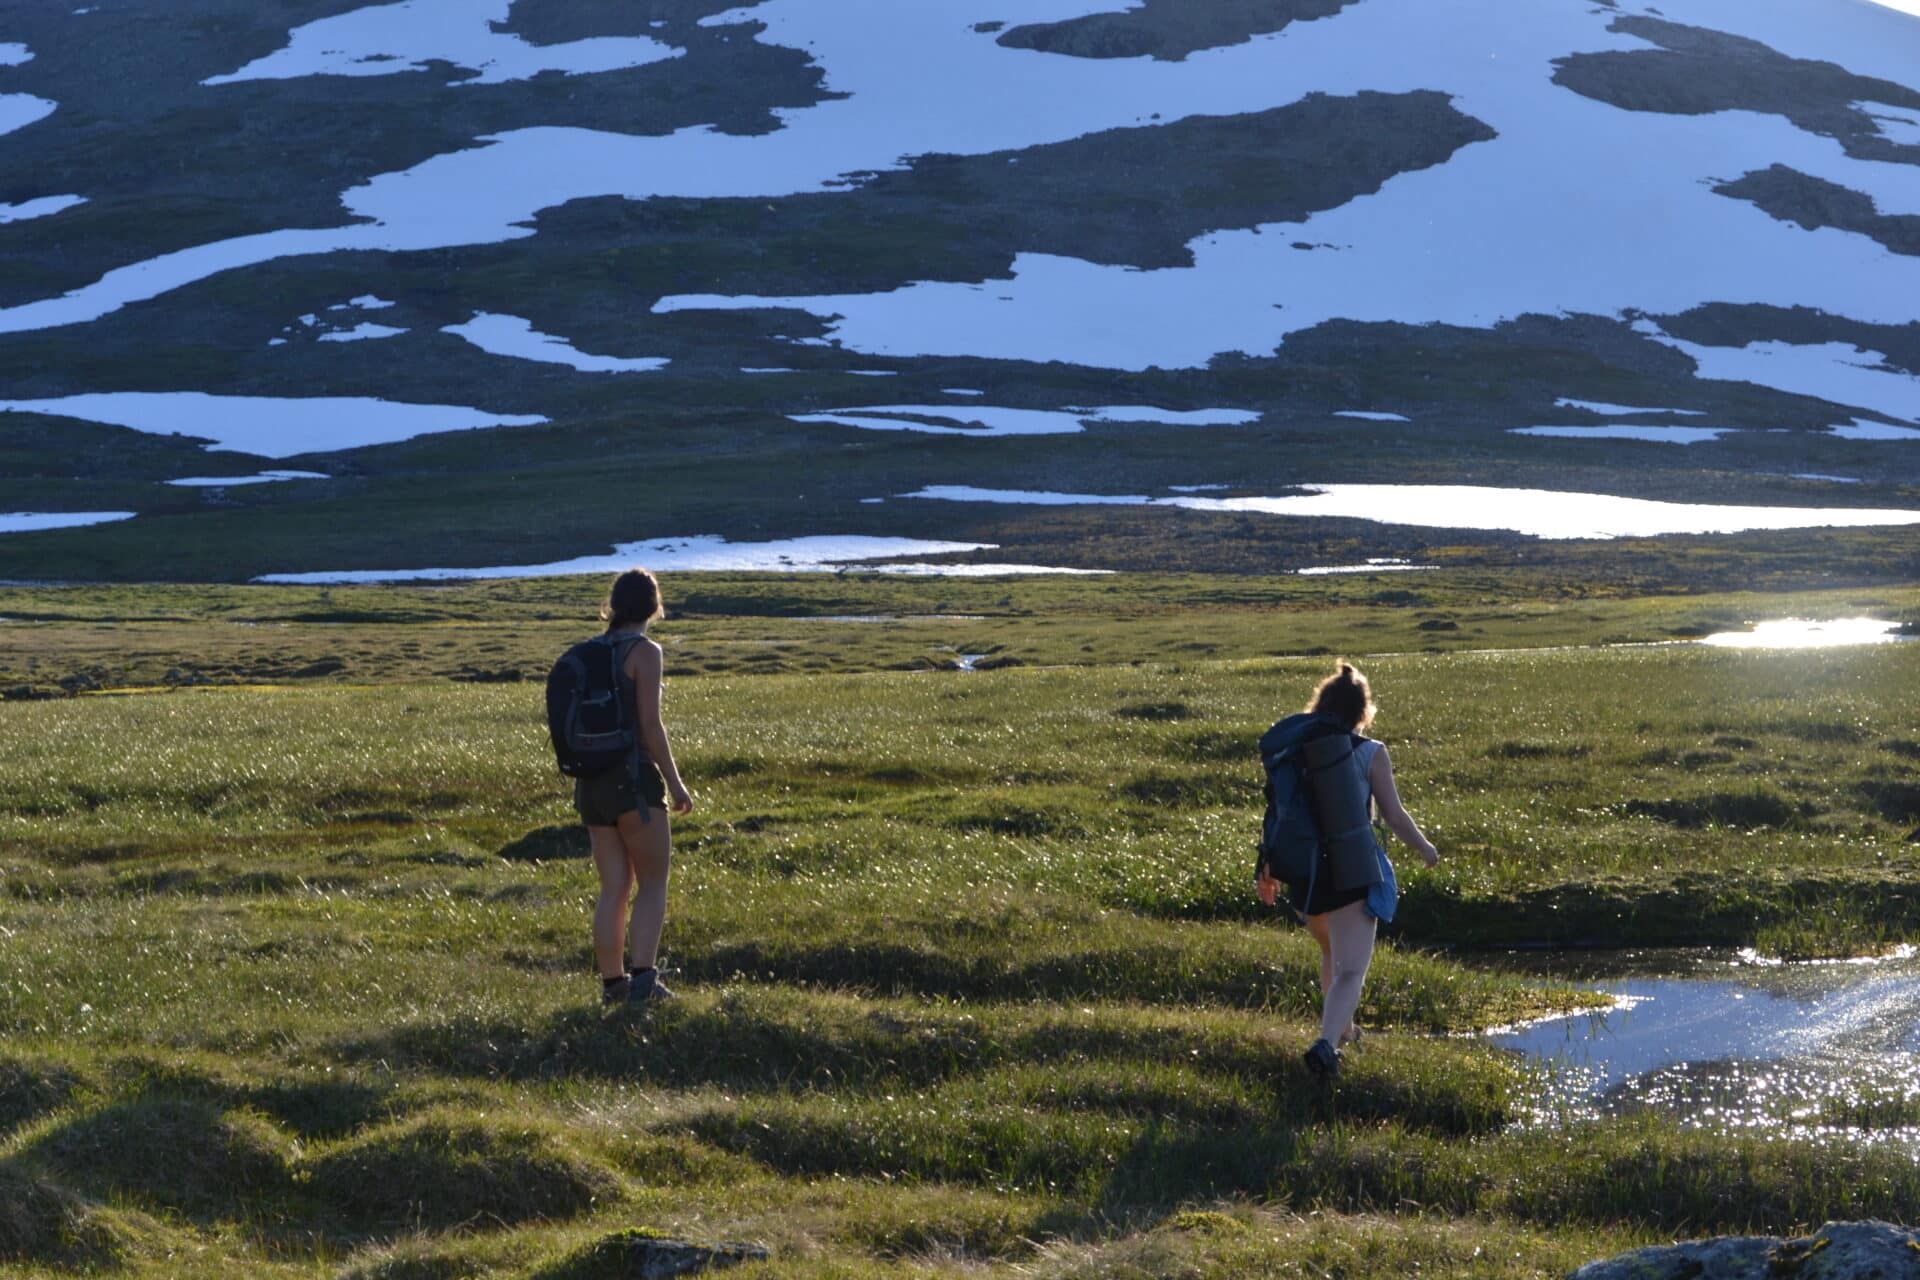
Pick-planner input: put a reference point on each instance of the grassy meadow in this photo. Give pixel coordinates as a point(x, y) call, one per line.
point(295, 976)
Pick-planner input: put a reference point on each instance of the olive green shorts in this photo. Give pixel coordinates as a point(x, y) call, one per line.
point(603, 797)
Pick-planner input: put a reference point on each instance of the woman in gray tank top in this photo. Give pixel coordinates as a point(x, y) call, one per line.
point(1338, 919)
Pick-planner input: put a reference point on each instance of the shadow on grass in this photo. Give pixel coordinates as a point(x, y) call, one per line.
point(544, 844)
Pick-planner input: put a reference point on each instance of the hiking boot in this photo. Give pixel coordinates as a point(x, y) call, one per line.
point(618, 991)
point(1323, 1060)
point(646, 987)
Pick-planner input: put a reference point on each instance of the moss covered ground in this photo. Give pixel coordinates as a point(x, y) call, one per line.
point(294, 974)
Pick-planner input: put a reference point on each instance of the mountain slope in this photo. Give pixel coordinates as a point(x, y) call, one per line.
point(679, 269)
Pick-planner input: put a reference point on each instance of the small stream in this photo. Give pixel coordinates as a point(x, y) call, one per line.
point(1732, 1042)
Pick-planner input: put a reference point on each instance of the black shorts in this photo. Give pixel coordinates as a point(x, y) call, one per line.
point(601, 798)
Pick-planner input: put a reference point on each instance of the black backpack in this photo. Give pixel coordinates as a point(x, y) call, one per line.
point(589, 708)
point(1317, 802)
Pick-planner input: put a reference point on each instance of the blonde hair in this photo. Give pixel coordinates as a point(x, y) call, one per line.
point(1345, 696)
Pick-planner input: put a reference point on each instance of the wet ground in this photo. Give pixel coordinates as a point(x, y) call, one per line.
point(1732, 1041)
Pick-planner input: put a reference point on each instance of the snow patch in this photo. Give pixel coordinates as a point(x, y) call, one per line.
point(1835, 371)
point(1370, 416)
point(18, 110)
point(13, 55)
point(1622, 410)
point(361, 332)
point(1539, 513)
point(1621, 431)
point(38, 208)
point(1384, 564)
point(1898, 125)
point(990, 420)
point(708, 553)
point(261, 477)
point(504, 335)
point(32, 521)
point(269, 426)
point(1863, 429)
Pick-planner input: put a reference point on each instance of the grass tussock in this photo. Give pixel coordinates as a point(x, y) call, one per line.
point(180, 1153)
point(31, 1088)
point(45, 1224)
point(444, 1169)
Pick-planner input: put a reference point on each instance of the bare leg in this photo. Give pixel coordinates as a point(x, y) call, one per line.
point(649, 857)
point(616, 883)
point(1350, 933)
point(1317, 926)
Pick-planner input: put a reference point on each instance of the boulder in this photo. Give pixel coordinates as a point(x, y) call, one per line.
point(1837, 1251)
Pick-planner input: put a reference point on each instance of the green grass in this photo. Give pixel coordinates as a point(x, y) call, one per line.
point(295, 979)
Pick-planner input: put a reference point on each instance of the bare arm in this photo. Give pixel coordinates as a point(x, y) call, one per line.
point(1393, 813)
point(644, 668)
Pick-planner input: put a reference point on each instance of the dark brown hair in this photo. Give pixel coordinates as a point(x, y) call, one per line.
point(1346, 697)
point(633, 597)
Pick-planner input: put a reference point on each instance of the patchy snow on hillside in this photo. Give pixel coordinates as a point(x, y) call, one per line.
point(386, 39)
point(1576, 206)
point(504, 335)
point(1540, 513)
point(38, 208)
point(268, 426)
point(708, 553)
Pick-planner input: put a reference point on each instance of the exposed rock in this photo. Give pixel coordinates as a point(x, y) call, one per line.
point(642, 1255)
point(1167, 30)
point(1853, 1250)
point(1810, 202)
point(1697, 71)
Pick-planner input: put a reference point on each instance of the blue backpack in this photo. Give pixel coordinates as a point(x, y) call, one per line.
point(589, 708)
point(1317, 805)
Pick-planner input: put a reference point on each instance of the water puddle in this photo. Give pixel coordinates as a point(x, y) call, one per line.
point(1725, 1043)
point(1802, 633)
point(1540, 513)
